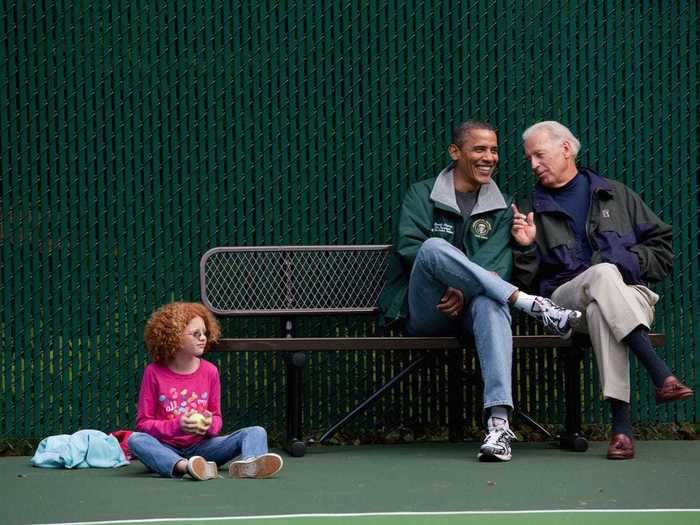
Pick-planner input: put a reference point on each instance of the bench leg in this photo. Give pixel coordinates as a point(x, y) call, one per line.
point(295, 390)
point(455, 395)
point(371, 399)
point(532, 422)
point(572, 438)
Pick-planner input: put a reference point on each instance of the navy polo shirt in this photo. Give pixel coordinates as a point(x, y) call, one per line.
point(575, 200)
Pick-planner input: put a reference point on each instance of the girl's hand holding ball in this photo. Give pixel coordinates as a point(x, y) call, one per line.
point(196, 422)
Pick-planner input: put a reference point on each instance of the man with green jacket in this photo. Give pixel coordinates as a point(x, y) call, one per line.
point(594, 245)
point(451, 261)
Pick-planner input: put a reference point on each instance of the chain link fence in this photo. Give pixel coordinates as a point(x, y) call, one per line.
point(134, 136)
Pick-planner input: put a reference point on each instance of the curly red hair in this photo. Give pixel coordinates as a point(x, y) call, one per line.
point(166, 327)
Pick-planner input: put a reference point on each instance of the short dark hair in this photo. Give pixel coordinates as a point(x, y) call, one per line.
point(460, 130)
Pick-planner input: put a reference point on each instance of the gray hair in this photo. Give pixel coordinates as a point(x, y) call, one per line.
point(556, 131)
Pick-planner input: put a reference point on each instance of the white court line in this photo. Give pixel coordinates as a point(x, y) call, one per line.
point(367, 514)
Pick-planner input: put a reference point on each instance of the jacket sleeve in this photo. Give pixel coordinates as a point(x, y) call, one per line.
point(526, 264)
point(654, 248)
point(414, 226)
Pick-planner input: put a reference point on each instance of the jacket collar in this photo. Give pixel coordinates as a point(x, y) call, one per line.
point(543, 201)
point(490, 197)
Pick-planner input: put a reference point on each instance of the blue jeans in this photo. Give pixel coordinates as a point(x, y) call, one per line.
point(486, 314)
point(161, 458)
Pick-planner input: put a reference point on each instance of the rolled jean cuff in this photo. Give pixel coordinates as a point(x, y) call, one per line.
point(508, 404)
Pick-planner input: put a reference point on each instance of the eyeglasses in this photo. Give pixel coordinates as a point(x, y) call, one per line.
point(197, 334)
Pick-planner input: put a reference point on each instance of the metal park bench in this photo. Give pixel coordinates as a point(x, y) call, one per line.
point(292, 281)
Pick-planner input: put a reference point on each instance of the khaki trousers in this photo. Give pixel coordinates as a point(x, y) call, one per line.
point(611, 310)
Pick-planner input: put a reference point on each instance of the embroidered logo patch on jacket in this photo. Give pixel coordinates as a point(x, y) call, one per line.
point(443, 227)
point(481, 228)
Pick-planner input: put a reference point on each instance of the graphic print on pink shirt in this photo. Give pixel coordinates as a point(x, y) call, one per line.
point(175, 403)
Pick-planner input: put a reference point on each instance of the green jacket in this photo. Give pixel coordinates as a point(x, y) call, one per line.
point(430, 210)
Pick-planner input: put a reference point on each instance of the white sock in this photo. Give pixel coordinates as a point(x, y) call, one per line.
point(498, 417)
point(524, 302)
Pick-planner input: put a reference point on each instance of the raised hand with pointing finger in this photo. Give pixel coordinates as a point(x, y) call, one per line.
point(523, 229)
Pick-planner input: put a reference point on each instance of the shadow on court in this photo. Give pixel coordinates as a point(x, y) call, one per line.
point(436, 477)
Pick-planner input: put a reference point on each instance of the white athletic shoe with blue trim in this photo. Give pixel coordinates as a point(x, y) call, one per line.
point(496, 446)
point(555, 318)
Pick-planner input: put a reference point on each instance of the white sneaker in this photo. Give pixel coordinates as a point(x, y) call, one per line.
point(256, 467)
point(496, 446)
point(561, 321)
point(201, 469)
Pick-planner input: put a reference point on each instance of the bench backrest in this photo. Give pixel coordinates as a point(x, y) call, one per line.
point(293, 280)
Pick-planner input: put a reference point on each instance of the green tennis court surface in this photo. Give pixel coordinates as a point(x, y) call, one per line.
point(386, 485)
point(626, 517)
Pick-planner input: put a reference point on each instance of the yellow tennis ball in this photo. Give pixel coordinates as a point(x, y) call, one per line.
point(198, 419)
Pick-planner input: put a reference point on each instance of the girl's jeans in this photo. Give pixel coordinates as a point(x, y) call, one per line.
point(486, 316)
point(161, 458)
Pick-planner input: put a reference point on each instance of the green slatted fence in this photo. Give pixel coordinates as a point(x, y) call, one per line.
point(136, 135)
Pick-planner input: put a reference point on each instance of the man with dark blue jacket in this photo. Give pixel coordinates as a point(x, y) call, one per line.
point(593, 245)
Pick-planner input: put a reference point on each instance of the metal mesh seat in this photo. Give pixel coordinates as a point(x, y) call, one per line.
point(282, 280)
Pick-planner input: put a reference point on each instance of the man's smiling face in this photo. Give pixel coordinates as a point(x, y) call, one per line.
point(476, 158)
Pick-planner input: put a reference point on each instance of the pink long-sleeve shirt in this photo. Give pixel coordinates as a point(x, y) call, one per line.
point(166, 395)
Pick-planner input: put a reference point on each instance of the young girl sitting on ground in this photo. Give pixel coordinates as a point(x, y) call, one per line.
point(179, 416)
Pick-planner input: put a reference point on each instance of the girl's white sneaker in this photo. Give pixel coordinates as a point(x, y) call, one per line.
point(201, 469)
point(256, 467)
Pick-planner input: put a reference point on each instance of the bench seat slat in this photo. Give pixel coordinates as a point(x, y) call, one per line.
point(298, 344)
point(301, 344)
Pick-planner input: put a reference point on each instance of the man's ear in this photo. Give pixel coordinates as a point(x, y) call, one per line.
point(453, 151)
point(567, 149)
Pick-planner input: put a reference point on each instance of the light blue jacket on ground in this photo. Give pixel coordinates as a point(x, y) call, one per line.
point(84, 449)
